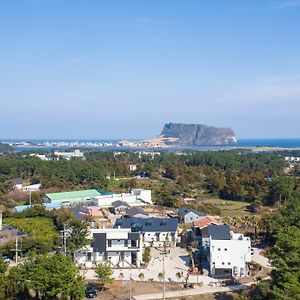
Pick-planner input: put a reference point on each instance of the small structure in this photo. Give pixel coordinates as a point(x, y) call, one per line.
point(48, 206)
point(17, 183)
point(119, 247)
point(136, 212)
point(156, 232)
point(120, 207)
point(228, 254)
point(31, 188)
point(80, 212)
point(187, 215)
point(132, 167)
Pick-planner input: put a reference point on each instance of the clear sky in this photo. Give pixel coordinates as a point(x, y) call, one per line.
point(123, 68)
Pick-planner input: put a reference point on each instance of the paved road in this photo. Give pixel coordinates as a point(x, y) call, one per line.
point(176, 261)
point(260, 259)
point(191, 292)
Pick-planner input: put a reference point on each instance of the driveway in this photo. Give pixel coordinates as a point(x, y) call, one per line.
point(175, 262)
point(260, 259)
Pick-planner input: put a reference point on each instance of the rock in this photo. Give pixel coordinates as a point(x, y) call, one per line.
point(197, 135)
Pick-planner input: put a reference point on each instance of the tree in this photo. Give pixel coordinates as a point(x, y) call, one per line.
point(160, 276)
point(104, 273)
point(78, 236)
point(147, 255)
point(141, 276)
point(48, 275)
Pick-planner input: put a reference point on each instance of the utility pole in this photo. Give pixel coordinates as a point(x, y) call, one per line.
point(65, 240)
point(130, 292)
point(30, 197)
point(17, 249)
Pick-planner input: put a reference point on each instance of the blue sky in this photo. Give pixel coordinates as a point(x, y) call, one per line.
point(121, 69)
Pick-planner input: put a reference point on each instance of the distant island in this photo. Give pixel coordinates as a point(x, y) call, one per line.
point(193, 135)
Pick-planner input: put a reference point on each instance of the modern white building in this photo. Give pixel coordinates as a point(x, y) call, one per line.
point(31, 188)
point(156, 232)
point(68, 155)
point(137, 197)
point(118, 246)
point(228, 253)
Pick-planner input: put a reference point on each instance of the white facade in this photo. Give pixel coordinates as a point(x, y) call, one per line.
point(230, 257)
point(31, 188)
point(137, 197)
point(68, 155)
point(132, 167)
point(159, 239)
point(118, 248)
point(191, 216)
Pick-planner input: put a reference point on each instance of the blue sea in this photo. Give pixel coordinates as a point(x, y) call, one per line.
point(283, 143)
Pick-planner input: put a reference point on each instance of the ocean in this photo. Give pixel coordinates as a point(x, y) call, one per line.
point(282, 143)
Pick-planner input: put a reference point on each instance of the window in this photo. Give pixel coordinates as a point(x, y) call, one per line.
point(229, 263)
point(89, 256)
point(219, 249)
point(223, 263)
point(225, 249)
point(118, 241)
point(109, 243)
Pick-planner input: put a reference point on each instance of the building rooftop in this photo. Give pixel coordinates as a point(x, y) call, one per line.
point(132, 211)
point(205, 222)
point(216, 232)
point(148, 224)
point(120, 203)
point(74, 194)
point(182, 211)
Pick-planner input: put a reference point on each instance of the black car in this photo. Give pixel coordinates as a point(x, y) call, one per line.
point(90, 291)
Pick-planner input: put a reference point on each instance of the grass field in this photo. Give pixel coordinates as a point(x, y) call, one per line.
point(229, 207)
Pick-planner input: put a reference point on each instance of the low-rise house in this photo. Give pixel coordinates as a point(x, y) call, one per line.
point(187, 215)
point(136, 212)
point(80, 212)
point(31, 188)
point(156, 232)
point(120, 207)
point(228, 253)
point(132, 167)
point(17, 183)
point(118, 246)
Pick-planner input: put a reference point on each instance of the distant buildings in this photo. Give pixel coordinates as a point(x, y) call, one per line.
point(17, 183)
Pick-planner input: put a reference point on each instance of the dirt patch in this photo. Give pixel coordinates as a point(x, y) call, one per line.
point(119, 290)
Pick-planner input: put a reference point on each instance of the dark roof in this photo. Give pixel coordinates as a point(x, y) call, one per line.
point(216, 232)
point(182, 211)
point(80, 212)
point(16, 181)
point(134, 211)
point(120, 203)
point(148, 224)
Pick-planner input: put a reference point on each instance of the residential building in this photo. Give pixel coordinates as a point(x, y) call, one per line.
point(31, 188)
point(228, 254)
point(120, 207)
point(17, 183)
point(188, 215)
point(118, 246)
point(156, 232)
point(136, 212)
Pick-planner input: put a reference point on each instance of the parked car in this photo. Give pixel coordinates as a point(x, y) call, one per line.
point(90, 291)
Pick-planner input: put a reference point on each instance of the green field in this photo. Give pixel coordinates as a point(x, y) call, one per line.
point(229, 207)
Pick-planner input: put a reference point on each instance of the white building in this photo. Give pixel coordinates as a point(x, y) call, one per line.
point(119, 247)
point(187, 215)
point(137, 197)
point(31, 188)
point(156, 232)
point(132, 167)
point(40, 156)
point(68, 155)
point(228, 254)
